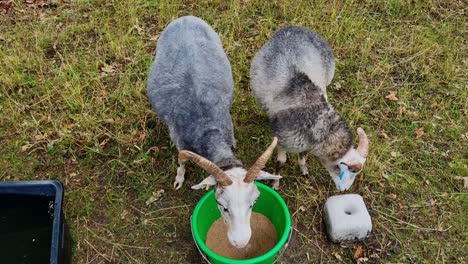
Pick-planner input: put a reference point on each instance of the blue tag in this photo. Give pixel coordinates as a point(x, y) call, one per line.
point(341, 175)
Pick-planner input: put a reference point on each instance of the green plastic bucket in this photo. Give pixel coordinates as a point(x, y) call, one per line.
point(269, 204)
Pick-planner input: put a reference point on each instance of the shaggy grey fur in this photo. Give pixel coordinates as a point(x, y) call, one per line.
point(289, 76)
point(190, 87)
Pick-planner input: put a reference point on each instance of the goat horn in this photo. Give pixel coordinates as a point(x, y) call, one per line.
point(260, 163)
point(207, 165)
point(363, 147)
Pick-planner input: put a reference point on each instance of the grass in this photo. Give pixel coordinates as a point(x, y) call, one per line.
point(73, 108)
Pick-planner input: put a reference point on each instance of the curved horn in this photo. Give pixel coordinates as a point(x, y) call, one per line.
point(260, 163)
point(363, 147)
point(207, 165)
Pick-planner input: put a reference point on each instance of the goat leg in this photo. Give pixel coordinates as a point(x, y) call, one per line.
point(280, 160)
point(302, 164)
point(180, 177)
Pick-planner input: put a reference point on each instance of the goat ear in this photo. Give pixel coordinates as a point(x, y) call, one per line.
point(354, 166)
point(263, 175)
point(210, 180)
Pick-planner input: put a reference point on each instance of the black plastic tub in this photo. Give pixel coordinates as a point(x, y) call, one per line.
point(32, 229)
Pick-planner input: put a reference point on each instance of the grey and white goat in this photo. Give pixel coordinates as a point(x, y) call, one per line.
point(190, 87)
point(289, 76)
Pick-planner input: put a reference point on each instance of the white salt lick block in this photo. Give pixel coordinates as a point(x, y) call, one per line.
point(347, 218)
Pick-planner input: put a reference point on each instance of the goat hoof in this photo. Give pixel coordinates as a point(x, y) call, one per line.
point(177, 185)
point(179, 180)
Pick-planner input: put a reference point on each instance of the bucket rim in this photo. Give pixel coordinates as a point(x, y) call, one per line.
point(270, 253)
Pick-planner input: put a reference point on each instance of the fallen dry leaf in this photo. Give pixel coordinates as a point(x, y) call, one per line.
point(465, 181)
point(142, 136)
point(464, 136)
point(124, 214)
point(384, 135)
point(401, 108)
point(69, 126)
point(137, 27)
point(386, 176)
point(384, 118)
point(419, 132)
point(155, 197)
point(392, 96)
point(154, 38)
point(107, 68)
point(104, 141)
point(358, 252)
point(5, 6)
point(109, 120)
point(25, 148)
point(41, 3)
point(338, 256)
point(37, 138)
point(154, 149)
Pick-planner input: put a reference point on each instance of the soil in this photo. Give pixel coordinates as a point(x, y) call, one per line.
point(262, 240)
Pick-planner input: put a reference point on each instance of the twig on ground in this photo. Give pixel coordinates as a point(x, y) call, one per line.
point(129, 256)
point(309, 240)
point(159, 210)
point(114, 243)
point(150, 220)
point(418, 228)
point(390, 232)
point(97, 251)
point(141, 212)
point(88, 261)
point(169, 208)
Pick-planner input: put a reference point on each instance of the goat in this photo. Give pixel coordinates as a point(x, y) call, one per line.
point(289, 76)
point(190, 87)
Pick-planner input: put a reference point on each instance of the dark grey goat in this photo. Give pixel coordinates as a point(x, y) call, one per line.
point(289, 76)
point(190, 87)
